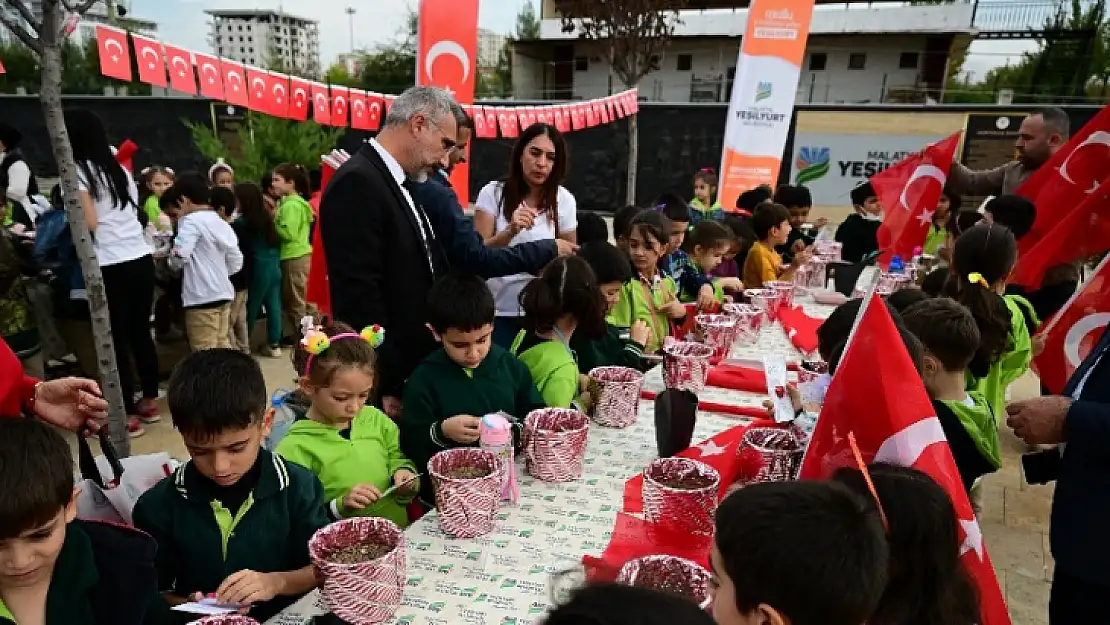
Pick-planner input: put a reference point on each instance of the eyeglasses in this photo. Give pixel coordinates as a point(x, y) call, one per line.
point(448, 143)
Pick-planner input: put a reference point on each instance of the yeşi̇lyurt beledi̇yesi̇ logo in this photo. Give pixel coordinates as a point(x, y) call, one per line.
point(812, 163)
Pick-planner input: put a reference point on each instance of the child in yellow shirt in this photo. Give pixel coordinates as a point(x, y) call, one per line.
point(771, 223)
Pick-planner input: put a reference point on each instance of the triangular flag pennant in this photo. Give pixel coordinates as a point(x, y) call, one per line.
point(115, 57)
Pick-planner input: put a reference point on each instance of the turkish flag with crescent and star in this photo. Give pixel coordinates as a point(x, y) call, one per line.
point(340, 106)
point(321, 104)
point(279, 95)
point(356, 102)
point(909, 191)
point(1070, 193)
point(235, 83)
point(179, 61)
point(446, 56)
point(148, 55)
point(300, 99)
point(208, 74)
point(894, 422)
point(258, 85)
point(507, 121)
point(1071, 333)
point(115, 57)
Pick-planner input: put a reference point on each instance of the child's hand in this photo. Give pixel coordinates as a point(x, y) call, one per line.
point(675, 309)
point(799, 246)
point(583, 381)
point(247, 587)
point(401, 477)
point(706, 297)
point(795, 399)
point(820, 223)
point(522, 218)
point(360, 496)
point(730, 284)
point(461, 428)
point(640, 332)
point(802, 258)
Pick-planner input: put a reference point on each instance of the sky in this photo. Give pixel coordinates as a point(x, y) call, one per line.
point(183, 23)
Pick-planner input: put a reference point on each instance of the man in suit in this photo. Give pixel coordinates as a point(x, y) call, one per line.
point(382, 252)
point(461, 242)
point(1080, 421)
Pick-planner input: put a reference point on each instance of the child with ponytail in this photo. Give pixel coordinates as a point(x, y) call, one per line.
point(354, 449)
point(563, 302)
point(705, 206)
point(982, 259)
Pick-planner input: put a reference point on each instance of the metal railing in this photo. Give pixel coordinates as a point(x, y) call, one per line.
point(1008, 16)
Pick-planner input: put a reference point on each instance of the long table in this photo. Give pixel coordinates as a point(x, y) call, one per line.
point(502, 578)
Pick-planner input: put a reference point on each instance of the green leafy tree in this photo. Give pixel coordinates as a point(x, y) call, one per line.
point(499, 82)
point(265, 142)
point(22, 68)
point(527, 23)
point(391, 68)
point(337, 74)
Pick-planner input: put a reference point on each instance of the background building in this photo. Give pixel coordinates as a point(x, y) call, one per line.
point(267, 38)
point(490, 44)
point(858, 52)
point(86, 29)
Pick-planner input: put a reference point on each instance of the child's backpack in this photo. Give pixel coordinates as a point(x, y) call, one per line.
point(285, 413)
point(53, 243)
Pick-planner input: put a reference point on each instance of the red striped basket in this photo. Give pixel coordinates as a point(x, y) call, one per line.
point(718, 332)
point(362, 593)
point(683, 510)
point(467, 506)
point(615, 392)
point(686, 365)
point(555, 443)
point(670, 575)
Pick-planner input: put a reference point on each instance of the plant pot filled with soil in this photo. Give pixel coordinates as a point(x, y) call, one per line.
point(555, 443)
point(615, 392)
point(681, 494)
point(769, 454)
point(670, 575)
point(362, 564)
point(467, 485)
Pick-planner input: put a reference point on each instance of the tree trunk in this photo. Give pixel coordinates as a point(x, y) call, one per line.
point(633, 158)
point(51, 97)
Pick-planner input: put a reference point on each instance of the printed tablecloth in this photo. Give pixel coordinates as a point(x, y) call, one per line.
point(502, 578)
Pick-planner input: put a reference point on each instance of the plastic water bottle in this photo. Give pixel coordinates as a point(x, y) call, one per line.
point(495, 434)
point(896, 265)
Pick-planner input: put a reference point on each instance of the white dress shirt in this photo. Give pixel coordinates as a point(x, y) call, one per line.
point(398, 174)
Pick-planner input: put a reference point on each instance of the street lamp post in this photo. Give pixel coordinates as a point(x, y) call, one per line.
point(351, 24)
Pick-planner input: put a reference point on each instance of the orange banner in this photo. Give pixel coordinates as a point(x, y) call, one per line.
point(447, 50)
point(763, 95)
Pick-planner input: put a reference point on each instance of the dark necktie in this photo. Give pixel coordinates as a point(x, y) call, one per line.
point(431, 245)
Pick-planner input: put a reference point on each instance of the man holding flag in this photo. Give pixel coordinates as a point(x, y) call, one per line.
point(1040, 136)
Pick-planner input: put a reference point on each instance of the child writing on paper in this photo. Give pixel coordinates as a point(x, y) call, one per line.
point(354, 449)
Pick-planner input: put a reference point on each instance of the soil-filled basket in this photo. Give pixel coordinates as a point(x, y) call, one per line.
point(670, 575)
point(748, 321)
point(467, 484)
point(769, 454)
point(681, 494)
point(785, 291)
point(718, 332)
point(891, 282)
point(766, 300)
point(829, 251)
point(226, 619)
point(686, 365)
point(362, 564)
point(555, 443)
point(615, 392)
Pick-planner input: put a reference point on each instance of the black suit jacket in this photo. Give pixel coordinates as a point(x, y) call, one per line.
point(1081, 506)
point(464, 246)
point(377, 263)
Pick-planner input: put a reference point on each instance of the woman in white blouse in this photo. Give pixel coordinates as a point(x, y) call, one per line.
point(529, 205)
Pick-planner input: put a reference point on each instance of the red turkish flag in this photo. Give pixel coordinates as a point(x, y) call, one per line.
point(1071, 333)
point(909, 191)
point(562, 124)
point(300, 99)
point(356, 102)
point(634, 100)
point(340, 107)
point(279, 95)
point(591, 115)
point(208, 71)
point(491, 121)
point(148, 54)
point(115, 57)
point(258, 85)
point(479, 117)
point(235, 83)
point(603, 111)
point(375, 110)
point(521, 113)
point(2, 70)
point(507, 121)
point(1073, 177)
point(321, 105)
point(387, 103)
point(180, 63)
point(894, 422)
point(577, 119)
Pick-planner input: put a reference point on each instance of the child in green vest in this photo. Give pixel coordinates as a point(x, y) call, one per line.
point(293, 221)
point(154, 181)
point(353, 448)
point(621, 346)
point(982, 259)
point(470, 377)
point(705, 206)
point(648, 296)
point(938, 231)
point(948, 332)
point(565, 300)
point(235, 520)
